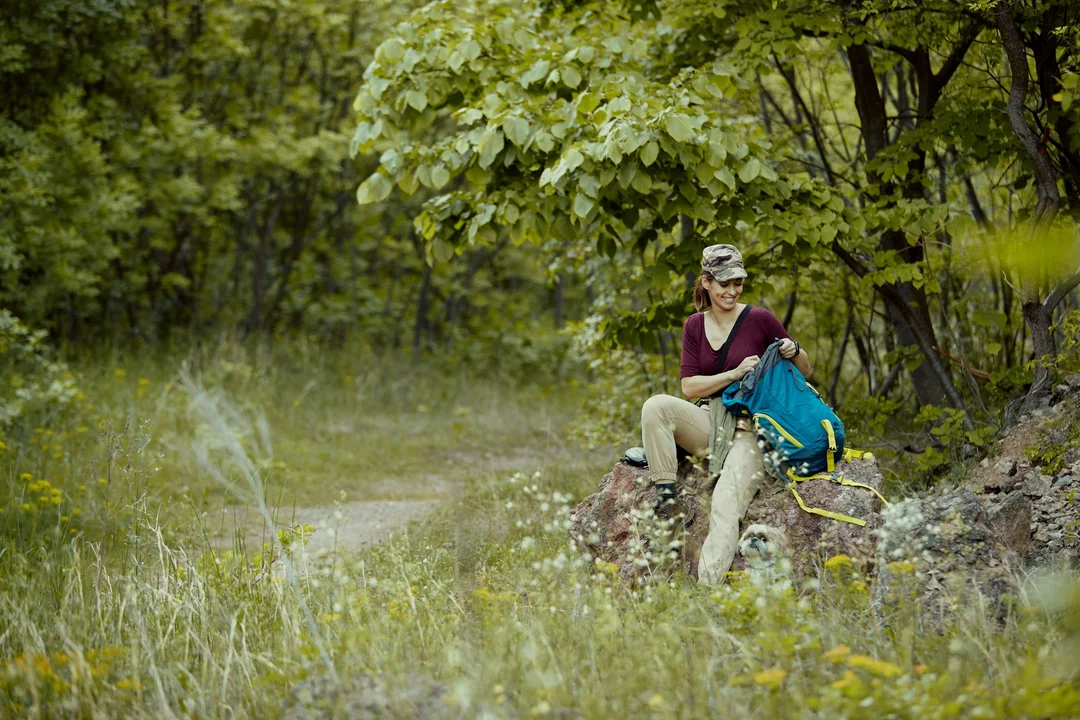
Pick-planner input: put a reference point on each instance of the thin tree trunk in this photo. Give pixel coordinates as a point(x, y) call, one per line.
point(1036, 314)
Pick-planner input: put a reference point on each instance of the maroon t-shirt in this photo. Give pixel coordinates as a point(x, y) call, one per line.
point(758, 331)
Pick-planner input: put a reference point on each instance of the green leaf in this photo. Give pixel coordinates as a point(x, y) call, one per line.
point(538, 71)
point(375, 189)
point(649, 153)
point(517, 129)
point(440, 176)
point(491, 144)
point(750, 170)
point(390, 51)
point(724, 175)
point(583, 205)
point(642, 182)
point(543, 140)
point(679, 127)
point(443, 250)
point(589, 185)
point(586, 103)
point(416, 99)
point(571, 77)
point(573, 159)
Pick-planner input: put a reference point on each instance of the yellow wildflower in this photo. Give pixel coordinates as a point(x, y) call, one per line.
point(120, 373)
point(26, 476)
point(76, 511)
point(43, 499)
point(1, 510)
point(27, 506)
point(56, 500)
point(102, 481)
point(656, 701)
point(144, 381)
point(838, 561)
point(126, 684)
point(901, 567)
point(837, 654)
point(847, 681)
point(81, 488)
point(3, 446)
point(64, 518)
point(770, 678)
point(880, 668)
point(56, 491)
point(38, 431)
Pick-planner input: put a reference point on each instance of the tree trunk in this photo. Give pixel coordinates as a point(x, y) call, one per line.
point(906, 305)
point(1036, 314)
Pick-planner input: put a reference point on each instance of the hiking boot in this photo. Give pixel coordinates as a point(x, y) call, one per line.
point(668, 504)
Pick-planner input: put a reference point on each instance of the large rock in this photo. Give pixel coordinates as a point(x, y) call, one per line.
point(612, 523)
point(813, 538)
point(1009, 519)
point(941, 550)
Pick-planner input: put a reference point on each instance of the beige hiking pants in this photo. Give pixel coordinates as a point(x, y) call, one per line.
point(667, 421)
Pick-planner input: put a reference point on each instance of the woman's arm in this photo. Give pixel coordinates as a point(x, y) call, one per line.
point(698, 386)
point(801, 361)
point(705, 385)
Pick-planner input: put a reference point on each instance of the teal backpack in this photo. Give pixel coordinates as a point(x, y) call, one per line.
point(805, 436)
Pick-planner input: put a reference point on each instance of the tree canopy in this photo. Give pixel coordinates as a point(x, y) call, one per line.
point(864, 136)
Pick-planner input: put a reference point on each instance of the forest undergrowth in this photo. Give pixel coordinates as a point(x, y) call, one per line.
point(115, 605)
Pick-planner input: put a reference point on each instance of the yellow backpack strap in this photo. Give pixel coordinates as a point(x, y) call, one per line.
point(850, 454)
point(824, 513)
point(832, 445)
point(844, 481)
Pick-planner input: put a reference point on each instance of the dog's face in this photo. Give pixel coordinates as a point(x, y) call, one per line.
point(763, 543)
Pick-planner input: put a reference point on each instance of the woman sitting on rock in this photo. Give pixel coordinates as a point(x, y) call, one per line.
point(722, 342)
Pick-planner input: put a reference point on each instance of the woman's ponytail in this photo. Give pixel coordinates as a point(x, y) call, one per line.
point(702, 301)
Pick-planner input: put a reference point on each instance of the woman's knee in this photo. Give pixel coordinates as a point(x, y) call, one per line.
point(652, 410)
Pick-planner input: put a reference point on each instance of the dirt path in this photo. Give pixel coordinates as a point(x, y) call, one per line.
point(354, 525)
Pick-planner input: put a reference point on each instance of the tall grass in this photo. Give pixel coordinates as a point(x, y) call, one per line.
point(125, 610)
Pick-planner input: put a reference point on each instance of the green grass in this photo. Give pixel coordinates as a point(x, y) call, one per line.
point(134, 615)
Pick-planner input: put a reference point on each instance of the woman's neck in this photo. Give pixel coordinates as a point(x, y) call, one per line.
point(726, 317)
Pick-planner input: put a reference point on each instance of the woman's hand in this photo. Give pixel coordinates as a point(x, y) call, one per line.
point(746, 366)
point(789, 348)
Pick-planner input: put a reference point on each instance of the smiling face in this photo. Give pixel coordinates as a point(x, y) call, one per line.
point(724, 294)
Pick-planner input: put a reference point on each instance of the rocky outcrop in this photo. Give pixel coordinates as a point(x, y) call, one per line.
point(613, 523)
point(1016, 489)
point(943, 551)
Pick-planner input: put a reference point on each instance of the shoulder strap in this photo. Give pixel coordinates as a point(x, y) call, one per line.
point(731, 336)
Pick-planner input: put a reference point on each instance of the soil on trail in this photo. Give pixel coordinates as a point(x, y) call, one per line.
point(340, 527)
point(354, 525)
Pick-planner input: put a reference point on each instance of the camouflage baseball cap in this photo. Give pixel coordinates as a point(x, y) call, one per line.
point(723, 262)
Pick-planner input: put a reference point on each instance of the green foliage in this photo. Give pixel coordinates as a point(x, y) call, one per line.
point(28, 368)
point(1056, 437)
